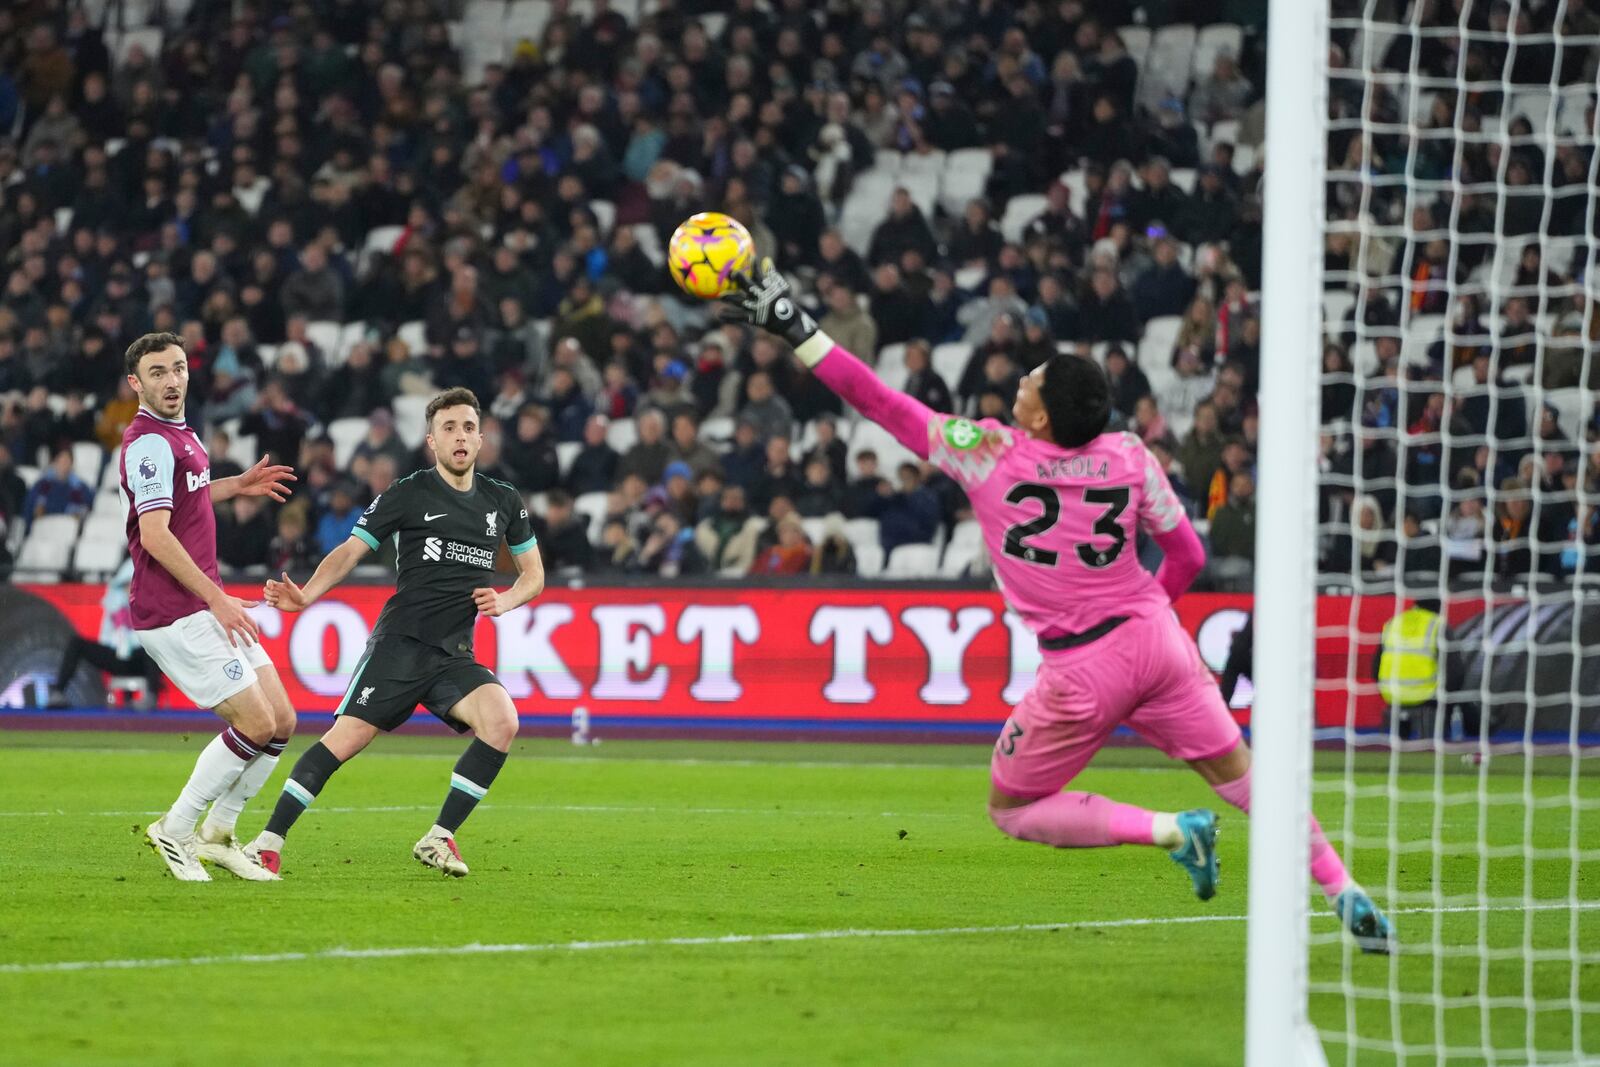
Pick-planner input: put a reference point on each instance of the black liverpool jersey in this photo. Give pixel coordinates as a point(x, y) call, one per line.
point(446, 541)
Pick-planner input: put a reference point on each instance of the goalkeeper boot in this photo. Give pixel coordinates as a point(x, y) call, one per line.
point(177, 851)
point(440, 853)
point(220, 848)
point(1366, 923)
point(1198, 853)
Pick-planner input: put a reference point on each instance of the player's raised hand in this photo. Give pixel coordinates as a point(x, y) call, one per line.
point(284, 595)
point(265, 480)
point(766, 301)
point(488, 602)
point(234, 616)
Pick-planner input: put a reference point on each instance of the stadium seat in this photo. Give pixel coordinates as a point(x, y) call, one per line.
point(1336, 304)
point(109, 502)
point(1136, 39)
point(268, 355)
point(605, 213)
point(1224, 132)
point(1572, 111)
point(346, 435)
point(966, 534)
point(242, 449)
point(714, 22)
point(931, 163)
point(861, 532)
point(1572, 409)
point(958, 560)
point(649, 243)
point(99, 557)
point(484, 16)
point(48, 545)
point(718, 430)
point(86, 459)
point(950, 361)
point(1021, 210)
point(410, 413)
point(350, 335)
point(622, 434)
point(1211, 42)
point(526, 19)
point(1167, 65)
point(102, 526)
point(566, 452)
point(913, 561)
point(869, 560)
point(816, 529)
point(1077, 183)
point(148, 38)
point(971, 278)
point(592, 506)
point(1160, 335)
point(415, 335)
point(1185, 178)
point(380, 240)
point(325, 335)
point(1244, 158)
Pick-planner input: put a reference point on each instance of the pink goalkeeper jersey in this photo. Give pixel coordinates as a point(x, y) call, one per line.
point(1061, 524)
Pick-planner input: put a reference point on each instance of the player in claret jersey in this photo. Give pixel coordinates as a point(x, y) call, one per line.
point(1061, 503)
point(200, 636)
point(447, 523)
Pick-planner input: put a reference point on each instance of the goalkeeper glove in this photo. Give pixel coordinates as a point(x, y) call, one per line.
point(767, 301)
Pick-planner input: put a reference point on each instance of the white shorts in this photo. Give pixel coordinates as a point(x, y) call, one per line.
point(195, 654)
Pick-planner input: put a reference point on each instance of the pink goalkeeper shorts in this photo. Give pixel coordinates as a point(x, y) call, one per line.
point(1146, 673)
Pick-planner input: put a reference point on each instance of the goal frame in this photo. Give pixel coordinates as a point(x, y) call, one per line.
point(1278, 1030)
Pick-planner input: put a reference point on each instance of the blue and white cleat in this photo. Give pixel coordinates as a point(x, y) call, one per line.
point(1366, 923)
point(1198, 853)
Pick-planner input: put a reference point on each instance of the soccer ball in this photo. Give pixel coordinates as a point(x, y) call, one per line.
point(706, 251)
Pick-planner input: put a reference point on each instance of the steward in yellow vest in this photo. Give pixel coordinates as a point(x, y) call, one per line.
point(1408, 667)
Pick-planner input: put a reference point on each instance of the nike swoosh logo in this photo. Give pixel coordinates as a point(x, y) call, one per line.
point(1199, 850)
point(430, 518)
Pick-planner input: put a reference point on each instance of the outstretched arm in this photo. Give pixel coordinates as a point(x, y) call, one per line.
point(334, 568)
point(902, 415)
point(766, 301)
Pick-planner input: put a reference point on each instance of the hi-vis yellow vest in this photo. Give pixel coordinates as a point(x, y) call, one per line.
point(1409, 670)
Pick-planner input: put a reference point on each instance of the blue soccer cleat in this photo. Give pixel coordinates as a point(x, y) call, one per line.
point(1368, 925)
point(1198, 853)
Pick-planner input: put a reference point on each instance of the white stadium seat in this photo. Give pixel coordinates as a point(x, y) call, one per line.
point(98, 557)
point(622, 434)
point(410, 413)
point(913, 561)
point(1021, 210)
point(346, 435)
point(566, 452)
point(592, 506)
point(869, 560)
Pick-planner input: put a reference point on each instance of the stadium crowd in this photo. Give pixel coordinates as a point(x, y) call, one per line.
point(343, 205)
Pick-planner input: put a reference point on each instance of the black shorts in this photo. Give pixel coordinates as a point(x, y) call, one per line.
point(397, 673)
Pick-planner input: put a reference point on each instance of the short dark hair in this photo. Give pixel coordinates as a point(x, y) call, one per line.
point(150, 342)
point(1077, 397)
point(558, 498)
point(453, 398)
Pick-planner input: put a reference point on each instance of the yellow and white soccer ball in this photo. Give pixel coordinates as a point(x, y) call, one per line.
point(706, 251)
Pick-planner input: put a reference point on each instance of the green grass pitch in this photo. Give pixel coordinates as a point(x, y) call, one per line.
point(609, 878)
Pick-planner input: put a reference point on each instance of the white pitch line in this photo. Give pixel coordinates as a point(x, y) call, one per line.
point(525, 948)
point(600, 809)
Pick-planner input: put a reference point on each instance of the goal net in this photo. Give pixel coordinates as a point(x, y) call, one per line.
point(1459, 474)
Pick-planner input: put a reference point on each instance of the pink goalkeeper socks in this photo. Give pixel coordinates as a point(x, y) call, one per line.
point(1326, 866)
point(1077, 820)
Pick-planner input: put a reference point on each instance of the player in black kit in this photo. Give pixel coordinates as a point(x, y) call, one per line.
point(447, 523)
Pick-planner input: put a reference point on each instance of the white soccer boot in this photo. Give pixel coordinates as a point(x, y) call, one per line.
point(177, 851)
point(440, 853)
point(221, 847)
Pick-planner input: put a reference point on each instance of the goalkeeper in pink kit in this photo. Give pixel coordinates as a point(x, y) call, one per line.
point(1061, 503)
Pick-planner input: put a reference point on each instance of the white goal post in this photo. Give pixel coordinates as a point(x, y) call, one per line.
point(1429, 456)
point(1278, 1032)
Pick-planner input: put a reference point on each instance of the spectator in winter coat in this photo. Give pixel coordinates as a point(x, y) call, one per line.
point(649, 456)
point(850, 326)
point(563, 538)
point(922, 381)
point(904, 228)
point(1164, 287)
point(909, 516)
point(594, 469)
